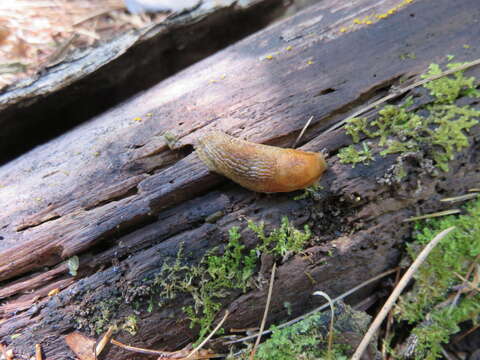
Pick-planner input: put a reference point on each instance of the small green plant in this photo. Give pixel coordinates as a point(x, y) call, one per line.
point(281, 241)
point(439, 127)
point(438, 278)
point(99, 316)
point(310, 191)
point(350, 155)
point(308, 339)
point(220, 273)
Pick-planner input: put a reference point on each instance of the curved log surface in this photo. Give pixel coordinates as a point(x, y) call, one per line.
point(115, 192)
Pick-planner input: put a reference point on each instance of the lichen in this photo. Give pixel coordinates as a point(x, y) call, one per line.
point(439, 128)
point(436, 281)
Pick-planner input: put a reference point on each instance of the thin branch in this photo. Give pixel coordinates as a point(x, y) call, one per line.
point(399, 92)
point(209, 336)
point(397, 291)
point(265, 313)
point(320, 308)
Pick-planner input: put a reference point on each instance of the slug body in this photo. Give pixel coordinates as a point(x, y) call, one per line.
point(258, 167)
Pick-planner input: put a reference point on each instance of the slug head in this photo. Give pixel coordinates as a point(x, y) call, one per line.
point(298, 169)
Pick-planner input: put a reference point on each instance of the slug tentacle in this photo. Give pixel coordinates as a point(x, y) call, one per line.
point(260, 167)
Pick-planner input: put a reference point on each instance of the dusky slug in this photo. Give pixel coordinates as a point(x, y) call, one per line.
point(258, 167)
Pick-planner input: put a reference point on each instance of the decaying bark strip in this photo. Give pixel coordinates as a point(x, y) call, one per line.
point(122, 196)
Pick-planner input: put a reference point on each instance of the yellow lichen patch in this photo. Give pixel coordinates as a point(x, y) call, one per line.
point(269, 57)
point(289, 48)
point(309, 62)
point(138, 119)
point(53, 292)
point(370, 19)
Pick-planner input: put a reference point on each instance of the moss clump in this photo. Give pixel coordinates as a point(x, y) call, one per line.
point(350, 155)
point(219, 274)
point(442, 131)
point(447, 89)
point(98, 316)
point(307, 339)
point(281, 241)
point(437, 279)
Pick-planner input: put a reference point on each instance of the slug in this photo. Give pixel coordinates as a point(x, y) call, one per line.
point(258, 167)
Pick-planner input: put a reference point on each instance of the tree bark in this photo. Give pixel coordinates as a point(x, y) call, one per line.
point(123, 198)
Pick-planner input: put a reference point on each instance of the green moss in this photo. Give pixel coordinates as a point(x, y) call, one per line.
point(440, 127)
point(220, 273)
point(309, 192)
point(281, 241)
point(447, 89)
point(436, 280)
point(307, 339)
point(99, 316)
point(351, 155)
point(300, 340)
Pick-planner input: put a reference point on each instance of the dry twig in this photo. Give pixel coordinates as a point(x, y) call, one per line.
point(397, 291)
point(209, 336)
point(320, 308)
point(104, 341)
point(433, 215)
point(332, 310)
point(265, 313)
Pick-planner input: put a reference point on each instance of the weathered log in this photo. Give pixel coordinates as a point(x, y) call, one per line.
point(90, 81)
point(123, 197)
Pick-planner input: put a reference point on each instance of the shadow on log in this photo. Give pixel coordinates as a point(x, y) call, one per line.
point(124, 195)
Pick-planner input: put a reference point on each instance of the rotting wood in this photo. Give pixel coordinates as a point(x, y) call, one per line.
point(90, 81)
point(357, 222)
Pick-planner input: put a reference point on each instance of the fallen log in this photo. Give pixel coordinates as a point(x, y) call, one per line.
point(125, 191)
point(90, 81)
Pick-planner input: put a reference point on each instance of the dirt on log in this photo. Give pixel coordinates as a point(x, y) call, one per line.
point(124, 197)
